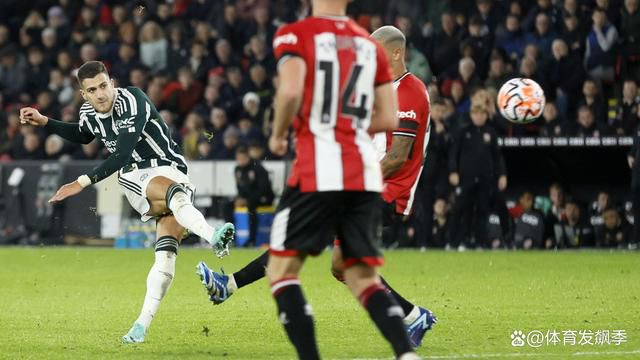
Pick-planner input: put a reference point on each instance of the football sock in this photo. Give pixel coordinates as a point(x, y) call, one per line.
point(254, 270)
point(295, 315)
point(387, 316)
point(179, 202)
point(406, 306)
point(159, 278)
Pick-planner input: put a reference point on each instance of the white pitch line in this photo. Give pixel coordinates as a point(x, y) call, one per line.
point(512, 355)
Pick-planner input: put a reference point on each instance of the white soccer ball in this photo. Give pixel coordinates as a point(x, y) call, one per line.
point(521, 100)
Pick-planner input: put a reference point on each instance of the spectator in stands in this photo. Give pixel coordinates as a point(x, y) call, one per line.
point(232, 92)
point(573, 231)
point(45, 102)
point(60, 86)
point(153, 46)
point(630, 36)
point(199, 62)
point(178, 52)
point(9, 133)
point(529, 224)
point(107, 46)
point(439, 234)
point(480, 43)
point(64, 61)
point(542, 7)
point(232, 28)
point(498, 72)
point(251, 108)
point(54, 149)
point(58, 23)
point(192, 134)
point(612, 10)
point(626, 117)
point(553, 125)
point(30, 148)
point(38, 71)
point(446, 46)
point(543, 35)
point(211, 100)
point(12, 73)
point(261, 26)
point(183, 95)
point(125, 62)
point(596, 211)
point(88, 52)
point(254, 187)
point(490, 14)
point(600, 54)
point(257, 151)
point(231, 140)
point(138, 77)
point(586, 124)
point(260, 84)
point(248, 131)
point(592, 99)
point(565, 76)
point(573, 35)
point(256, 52)
point(615, 231)
point(512, 38)
point(224, 54)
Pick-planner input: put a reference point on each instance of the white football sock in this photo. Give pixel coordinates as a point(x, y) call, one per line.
point(412, 316)
point(158, 283)
point(231, 285)
point(189, 217)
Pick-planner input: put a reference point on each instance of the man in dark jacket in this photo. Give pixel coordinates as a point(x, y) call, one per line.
point(474, 161)
point(254, 187)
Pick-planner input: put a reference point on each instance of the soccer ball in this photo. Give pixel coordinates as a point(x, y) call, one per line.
point(521, 100)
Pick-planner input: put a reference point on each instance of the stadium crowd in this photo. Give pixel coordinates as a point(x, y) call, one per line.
point(208, 67)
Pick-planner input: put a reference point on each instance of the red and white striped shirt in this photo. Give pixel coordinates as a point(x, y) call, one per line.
point(334, 152)
point(414, 115)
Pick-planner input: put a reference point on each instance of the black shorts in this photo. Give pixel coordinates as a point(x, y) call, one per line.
point(306, 223)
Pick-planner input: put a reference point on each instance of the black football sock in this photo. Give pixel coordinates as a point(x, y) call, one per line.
point(387, 316)
point(254, 270)
point(404, 303)
point(295, 315)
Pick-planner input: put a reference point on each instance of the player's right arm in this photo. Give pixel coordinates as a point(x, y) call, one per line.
point(292, 70)
point(385, 109)
point(73, 132)
point(385, 105)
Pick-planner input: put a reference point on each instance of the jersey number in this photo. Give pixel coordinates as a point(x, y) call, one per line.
point(358, 112)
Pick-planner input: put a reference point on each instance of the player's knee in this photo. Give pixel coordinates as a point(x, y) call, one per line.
point(167, 243)
point(177, 197)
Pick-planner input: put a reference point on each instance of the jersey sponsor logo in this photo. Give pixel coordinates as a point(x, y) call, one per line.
point(110, 145)
point(286, 39)
point(407, 114)
point(125, 123)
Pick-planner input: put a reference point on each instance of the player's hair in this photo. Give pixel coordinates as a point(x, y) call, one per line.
point(89, 70)
point(389, 34)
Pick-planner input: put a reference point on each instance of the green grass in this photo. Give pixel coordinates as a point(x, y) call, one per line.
point(78, 302)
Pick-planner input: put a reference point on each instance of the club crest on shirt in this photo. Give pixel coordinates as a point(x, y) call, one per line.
point(487, 138)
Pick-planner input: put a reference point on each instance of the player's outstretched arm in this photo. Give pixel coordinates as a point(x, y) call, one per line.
point(384, 109)
point(71, 132)
point(125, 145)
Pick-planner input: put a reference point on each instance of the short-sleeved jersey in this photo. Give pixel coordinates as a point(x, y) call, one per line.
point(413, 113)
point(334, 152)
point(133, 112)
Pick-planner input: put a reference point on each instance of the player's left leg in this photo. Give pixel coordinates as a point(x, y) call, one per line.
point(165, 194)
point(293, 311)
point(168, 234)
point(418, 320)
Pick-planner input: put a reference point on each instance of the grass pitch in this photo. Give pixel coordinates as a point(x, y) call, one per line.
point(78, 302)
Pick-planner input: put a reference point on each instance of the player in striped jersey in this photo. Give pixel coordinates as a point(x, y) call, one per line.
point(151, 172)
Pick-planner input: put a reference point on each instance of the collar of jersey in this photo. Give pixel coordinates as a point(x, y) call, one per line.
point(110, 112)
point(402, 76)
point(332, 17)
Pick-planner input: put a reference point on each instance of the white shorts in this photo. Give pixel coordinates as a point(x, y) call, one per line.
point(134, 185)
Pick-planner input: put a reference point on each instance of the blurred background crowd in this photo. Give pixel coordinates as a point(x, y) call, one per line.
point(208, 67)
